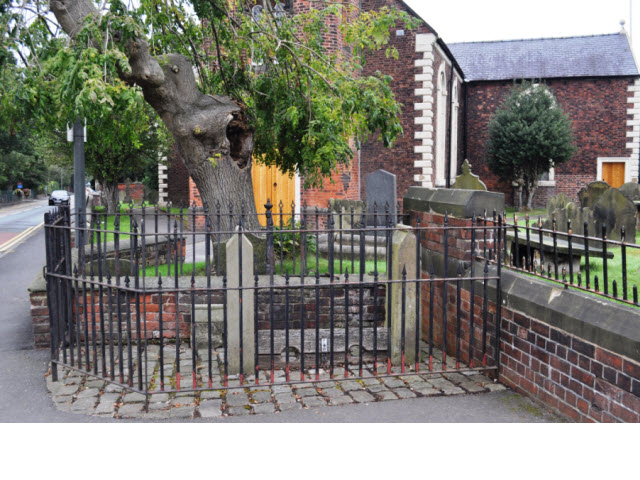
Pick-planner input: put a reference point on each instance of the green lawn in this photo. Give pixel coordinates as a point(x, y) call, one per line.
point(125, 226)
point(614, 270)
point(287, 266)
point(124, 207)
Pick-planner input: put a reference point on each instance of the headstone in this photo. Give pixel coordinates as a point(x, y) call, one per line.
point(614, 211)
point(240, 304)
point(381, 191)
point(403, 251)
point(343, 209)
point(590, 194)
point(631, 191)
point(468, 181)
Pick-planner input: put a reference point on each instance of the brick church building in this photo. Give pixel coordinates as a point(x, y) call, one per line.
point(449, 94)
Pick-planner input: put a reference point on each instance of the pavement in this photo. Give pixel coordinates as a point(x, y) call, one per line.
point(25, 396)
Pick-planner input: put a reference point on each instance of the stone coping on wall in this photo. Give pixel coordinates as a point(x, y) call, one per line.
point(457, 203)
point(608, 324)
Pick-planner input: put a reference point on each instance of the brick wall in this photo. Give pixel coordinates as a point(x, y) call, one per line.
point(400, 159)
point(153, 303)
point(596, 106)
point(555, 345)
point(136, 191)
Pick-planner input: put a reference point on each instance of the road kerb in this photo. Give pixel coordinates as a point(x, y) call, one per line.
point(19, 238)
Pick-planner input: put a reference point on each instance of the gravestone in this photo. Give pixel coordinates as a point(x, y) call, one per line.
point(631, 191)
point(468, 181)
point(343, 207)
point(240, 305)
point(381, 191)
point(590, 194)
point(403, 251)
point(614, 210)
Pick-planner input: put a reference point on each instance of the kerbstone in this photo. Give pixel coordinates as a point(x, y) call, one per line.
point(342, 400)
point(312, 402)
point(264, 408)
point(237, 399)
point(210, 408)
point(261, 397)
point(362, 396)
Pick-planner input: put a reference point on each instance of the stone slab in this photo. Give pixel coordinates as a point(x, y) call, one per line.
point(457, 203)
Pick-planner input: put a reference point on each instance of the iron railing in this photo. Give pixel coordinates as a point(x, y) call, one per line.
point(8, 198)
point(590, 261)
point(159, 300)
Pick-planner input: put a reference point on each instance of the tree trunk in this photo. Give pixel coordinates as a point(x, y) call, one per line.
point(210, 132)
point(110, 196)
point(530, 196)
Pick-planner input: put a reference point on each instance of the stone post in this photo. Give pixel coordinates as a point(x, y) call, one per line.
point(240, 304)
point(403, 256)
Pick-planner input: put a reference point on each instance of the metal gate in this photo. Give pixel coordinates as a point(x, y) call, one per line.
point(157, 301)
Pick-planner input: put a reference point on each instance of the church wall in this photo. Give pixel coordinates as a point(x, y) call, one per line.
point(599, 109)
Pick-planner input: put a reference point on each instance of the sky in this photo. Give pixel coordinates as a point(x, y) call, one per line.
point(475, 20)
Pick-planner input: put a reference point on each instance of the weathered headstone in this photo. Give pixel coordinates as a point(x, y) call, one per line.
point(468, 181)
point(614, 210)
point(381, 191)
point(631, 191)
point(590, 194)
point(343, 209)
point(127, 191)
point(240, 304)
point(403, 251)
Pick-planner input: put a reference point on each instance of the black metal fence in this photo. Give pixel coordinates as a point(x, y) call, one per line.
point(7, 197)
point(162, 300)
point(590, 261)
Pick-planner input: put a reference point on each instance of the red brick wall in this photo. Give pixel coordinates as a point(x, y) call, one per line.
point(400, 159)
point(597, 108)
point(136, 191)
point(579, 379)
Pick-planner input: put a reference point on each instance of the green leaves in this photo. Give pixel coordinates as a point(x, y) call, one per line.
point(528, 135)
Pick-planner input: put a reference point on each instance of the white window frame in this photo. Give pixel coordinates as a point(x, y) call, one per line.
point(441, 130)
point(627, 166)
point(552, 179)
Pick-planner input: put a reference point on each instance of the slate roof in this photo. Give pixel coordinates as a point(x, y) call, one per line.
point(592, 56)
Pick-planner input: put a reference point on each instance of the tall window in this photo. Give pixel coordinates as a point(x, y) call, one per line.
point(455, 105)
point(441, 127)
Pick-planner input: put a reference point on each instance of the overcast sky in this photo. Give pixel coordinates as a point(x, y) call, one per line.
point(473, 20)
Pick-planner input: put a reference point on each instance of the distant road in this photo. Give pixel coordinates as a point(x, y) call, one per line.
point(19, 222)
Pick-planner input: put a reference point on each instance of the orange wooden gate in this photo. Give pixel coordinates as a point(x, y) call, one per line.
point(269, 183)
point(613, 173)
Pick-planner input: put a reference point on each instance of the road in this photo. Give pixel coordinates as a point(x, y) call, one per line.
point(24, 398)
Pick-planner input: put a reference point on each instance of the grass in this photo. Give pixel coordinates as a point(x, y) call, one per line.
point(287, 266)
point(614, 270)
point(124, 207)
point(125, 226)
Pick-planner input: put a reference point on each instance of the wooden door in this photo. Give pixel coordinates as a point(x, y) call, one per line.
point(613, 173)
point(269, 183)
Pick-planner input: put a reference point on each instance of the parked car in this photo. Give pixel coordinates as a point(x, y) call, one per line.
point(59, 197)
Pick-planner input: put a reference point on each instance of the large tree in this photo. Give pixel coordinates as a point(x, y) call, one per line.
point(528, 135)
point(268, 83)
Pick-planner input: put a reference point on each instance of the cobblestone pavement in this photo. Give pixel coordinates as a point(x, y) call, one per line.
point(82, 394)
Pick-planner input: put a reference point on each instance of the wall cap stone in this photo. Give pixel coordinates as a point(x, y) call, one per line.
point(457, 203)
